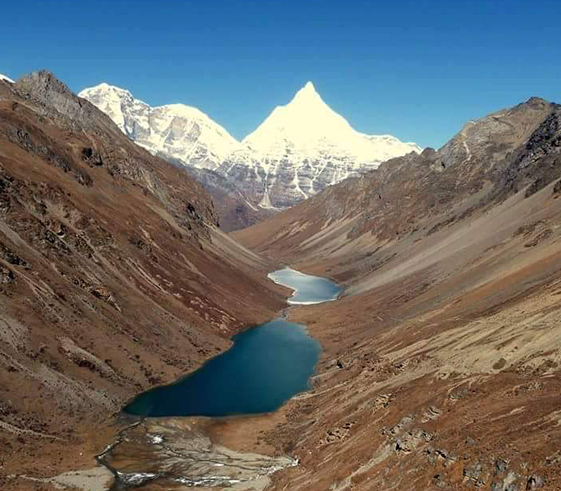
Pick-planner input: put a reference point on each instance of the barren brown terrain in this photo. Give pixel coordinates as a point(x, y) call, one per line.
point(441, 364)
point(440, 368)
point(114, 278)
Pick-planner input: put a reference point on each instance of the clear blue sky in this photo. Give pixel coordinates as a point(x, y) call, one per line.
point(413, 68)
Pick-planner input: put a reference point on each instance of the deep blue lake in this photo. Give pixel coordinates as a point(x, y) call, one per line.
point(266, 366)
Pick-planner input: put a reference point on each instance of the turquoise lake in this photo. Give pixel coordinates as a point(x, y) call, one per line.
point(267, 365)
point(308, 289)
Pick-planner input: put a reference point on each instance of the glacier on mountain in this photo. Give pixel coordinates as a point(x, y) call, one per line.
point(298, 150)
point(175, 131)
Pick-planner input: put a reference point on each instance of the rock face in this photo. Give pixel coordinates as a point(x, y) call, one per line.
point(299, 150)
point(113, 274)
point(442, 360)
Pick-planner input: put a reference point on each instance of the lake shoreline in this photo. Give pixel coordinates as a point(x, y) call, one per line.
point(224, 428)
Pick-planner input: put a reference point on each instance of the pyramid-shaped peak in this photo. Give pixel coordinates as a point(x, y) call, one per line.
point(307, 93)
point(309, 87)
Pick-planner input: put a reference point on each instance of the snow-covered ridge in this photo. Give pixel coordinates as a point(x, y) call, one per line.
point(298, 150)
point(175, 131)
point(7, 79)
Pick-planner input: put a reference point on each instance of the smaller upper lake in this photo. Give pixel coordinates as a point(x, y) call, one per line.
point(266, 366)
point(308, 289)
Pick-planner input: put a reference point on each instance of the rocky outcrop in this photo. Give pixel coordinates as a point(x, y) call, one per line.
point(538, 163)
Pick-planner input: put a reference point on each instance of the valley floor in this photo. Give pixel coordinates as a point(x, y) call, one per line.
point(426, 382)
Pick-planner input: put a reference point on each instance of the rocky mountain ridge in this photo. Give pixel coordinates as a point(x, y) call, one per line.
point(417, 188)
point(441, 367)
point(114, 277)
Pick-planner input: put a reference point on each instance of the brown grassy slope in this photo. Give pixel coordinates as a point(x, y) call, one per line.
point(441, 363)
point(408, 197)
point(113, 275)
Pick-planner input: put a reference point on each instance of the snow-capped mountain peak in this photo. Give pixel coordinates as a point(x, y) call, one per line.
point(7, 79)
point(298, 150)
point(300, 125)
point(309, 128)
point(113, 101)
point(307, 95)
point(175, 131)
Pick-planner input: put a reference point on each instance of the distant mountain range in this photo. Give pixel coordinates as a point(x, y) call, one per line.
point(416, 195)
point(299, 150)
